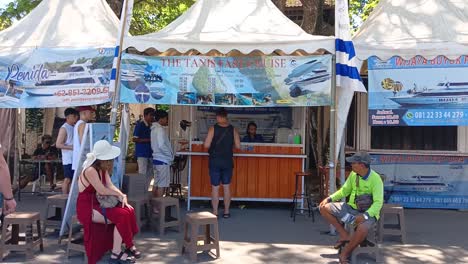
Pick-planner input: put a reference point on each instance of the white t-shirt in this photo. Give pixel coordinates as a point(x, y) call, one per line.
point(76, 145)
point(67, 154)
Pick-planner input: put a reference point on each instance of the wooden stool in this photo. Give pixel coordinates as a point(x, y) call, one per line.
point(10, 241)
point(165, 221)
point(301, 194)
point(392, 229)
point(75, 244)
point(59, 202)
point(211, 241)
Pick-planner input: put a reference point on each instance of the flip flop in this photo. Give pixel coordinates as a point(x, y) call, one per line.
point(228, 215)
point(344, 261)
point(340, 243)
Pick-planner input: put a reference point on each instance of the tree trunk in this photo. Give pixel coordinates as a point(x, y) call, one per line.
point(116, 6)
point(311, 15)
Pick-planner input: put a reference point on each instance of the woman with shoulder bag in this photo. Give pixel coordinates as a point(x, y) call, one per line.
point(101, 204)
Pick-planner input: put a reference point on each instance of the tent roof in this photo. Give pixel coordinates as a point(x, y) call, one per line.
point(226, 25)
point(418, 27)
point(63, 24)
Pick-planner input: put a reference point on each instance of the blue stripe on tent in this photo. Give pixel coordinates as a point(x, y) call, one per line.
point(348, 71)
point(345, 46)
point(116, 53)
point(113, 74)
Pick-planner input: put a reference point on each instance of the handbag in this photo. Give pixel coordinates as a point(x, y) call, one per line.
point(363, 202)
point(105, 201)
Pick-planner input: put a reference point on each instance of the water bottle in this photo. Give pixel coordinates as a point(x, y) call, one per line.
point(348, 219)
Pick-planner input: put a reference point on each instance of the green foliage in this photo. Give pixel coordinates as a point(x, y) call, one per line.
point(148, 15)
point(15, 10)
point(359, 10)
point(34, 117)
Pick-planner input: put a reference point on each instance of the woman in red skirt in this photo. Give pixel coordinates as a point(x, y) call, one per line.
point(109, 228)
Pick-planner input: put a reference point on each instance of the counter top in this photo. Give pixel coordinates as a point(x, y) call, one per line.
point(257, 144)
point(258, 155)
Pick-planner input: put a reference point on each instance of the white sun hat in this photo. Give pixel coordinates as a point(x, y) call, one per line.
point(102, 150)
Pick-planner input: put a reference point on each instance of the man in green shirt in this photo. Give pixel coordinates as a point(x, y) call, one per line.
point(361, 181)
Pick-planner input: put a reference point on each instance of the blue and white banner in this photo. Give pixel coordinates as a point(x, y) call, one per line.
point(42, 78)
point(348, 79)
point(424, 181)
point(418, 92)
point(226, 81)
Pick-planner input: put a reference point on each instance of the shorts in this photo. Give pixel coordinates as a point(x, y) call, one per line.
point(68, 172)
point(162, 175)
point(340, 209)
point(145, 167)
point(220, 175)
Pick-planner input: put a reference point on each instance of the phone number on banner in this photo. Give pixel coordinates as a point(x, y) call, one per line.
point(436, 117)
point(82, 91)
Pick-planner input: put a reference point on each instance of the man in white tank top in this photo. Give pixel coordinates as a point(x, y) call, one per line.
point(65, 143)
point(86, 115)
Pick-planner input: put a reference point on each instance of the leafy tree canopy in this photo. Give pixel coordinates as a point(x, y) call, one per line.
point(359, 10)
point(148, 15)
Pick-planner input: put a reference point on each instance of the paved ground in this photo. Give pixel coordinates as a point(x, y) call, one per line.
point(264, 233)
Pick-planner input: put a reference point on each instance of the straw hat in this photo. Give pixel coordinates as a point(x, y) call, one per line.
point(102, 150)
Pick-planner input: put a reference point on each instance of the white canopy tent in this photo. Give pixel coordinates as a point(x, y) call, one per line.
point(418, 27)
point(63, 24)
point(226, 25)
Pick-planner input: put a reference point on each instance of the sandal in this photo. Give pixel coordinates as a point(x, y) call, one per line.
point(344, 260)
point(228, 215)
point(340, 243)
point(133, 252)
point(119, 259)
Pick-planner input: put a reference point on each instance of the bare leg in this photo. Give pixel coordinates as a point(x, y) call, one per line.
point(159, 191)
point(50, 174)
point(227, 198)
point(356, 239)
point(117, 243)
point(331, 219)
point(66, 186)
point(215, 198)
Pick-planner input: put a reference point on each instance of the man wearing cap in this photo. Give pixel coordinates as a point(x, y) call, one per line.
point(365, 190)
point(86, 115)
point(142, 139)
point(65, 144)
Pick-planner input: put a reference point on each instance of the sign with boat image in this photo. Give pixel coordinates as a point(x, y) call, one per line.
point(226, 81)
point(418, 91)
point(424, 181)
point(55, 77)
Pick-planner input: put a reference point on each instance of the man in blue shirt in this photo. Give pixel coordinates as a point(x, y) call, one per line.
point(142, 139)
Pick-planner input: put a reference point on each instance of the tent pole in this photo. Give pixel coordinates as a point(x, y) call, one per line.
point(332, 155)
point(342, 160)
point(124, 27)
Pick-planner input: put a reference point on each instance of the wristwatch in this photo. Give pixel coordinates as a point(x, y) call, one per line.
point(366, 216)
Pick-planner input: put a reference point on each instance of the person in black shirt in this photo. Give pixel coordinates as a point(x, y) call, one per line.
point(222, 138)
point(46, 152)
point(251, 134)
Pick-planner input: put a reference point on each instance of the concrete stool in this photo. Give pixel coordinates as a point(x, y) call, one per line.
point(369, 246)
point(23, 221)
point(137, 203)
point(75, 244)
point(165, 221)
point(392, 229)
point(193, 221)
point(59, 203)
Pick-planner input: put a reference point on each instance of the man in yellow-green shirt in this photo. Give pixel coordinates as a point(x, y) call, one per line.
point(361, 181)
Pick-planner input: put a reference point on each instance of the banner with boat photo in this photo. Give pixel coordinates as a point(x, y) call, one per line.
point(40, 78)
point(418, 91)
point(424, 181)
point(226, 81)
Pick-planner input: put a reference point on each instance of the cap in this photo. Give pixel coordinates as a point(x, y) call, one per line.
point(362, 157)
point(84, 108)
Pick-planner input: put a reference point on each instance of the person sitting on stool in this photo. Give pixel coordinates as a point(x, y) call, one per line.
point(46, 152)
point(365, 190)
